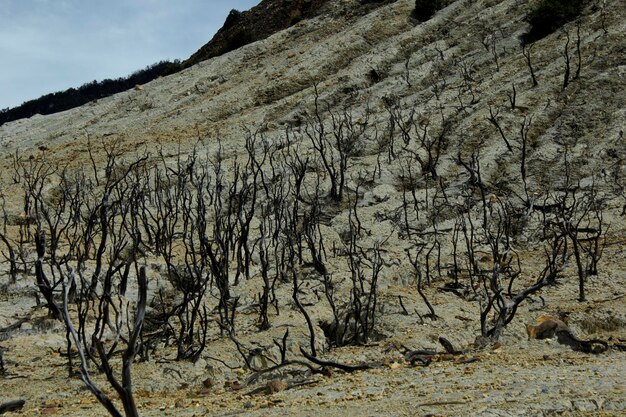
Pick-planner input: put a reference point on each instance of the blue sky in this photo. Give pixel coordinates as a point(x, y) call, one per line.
point(51, 45)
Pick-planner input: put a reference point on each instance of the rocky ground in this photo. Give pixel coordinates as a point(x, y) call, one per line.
point(367, 61)
point(519, 377)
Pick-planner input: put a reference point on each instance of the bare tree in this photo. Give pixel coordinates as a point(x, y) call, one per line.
point(124, 387)
point(75, 223)
point(566, 74)
point(416, 262)
point(424, 146)
point(512, 96)
point(9, 244)
point(526, 52)
point(337, 143)
point(493, 119)
point(578, 52)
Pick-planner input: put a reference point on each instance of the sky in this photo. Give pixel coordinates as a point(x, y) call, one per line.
point(52, 45)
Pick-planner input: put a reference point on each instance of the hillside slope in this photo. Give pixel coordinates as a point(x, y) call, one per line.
point(449, 130)
point(266, 83)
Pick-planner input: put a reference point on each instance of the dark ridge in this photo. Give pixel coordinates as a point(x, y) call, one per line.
point(260, 22)
point(75, 97)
